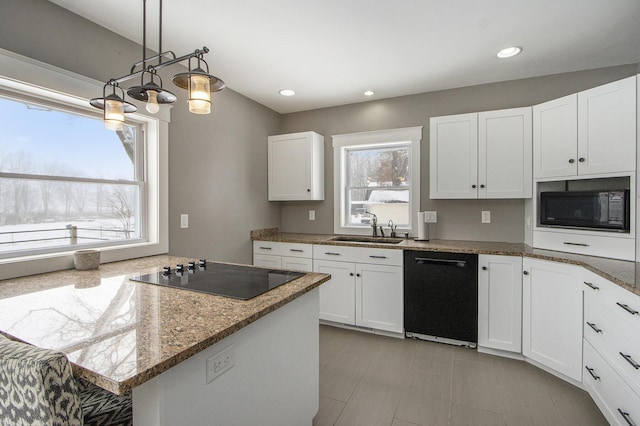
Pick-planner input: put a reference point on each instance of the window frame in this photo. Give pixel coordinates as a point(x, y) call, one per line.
point(381, 138)
point(41, 83)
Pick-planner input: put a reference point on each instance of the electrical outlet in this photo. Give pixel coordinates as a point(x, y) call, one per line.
point(184, 221)
point(312, 215)
point(220, 363)
point(431, 217)
point(486, 216)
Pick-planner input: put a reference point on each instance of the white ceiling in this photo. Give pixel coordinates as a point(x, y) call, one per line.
point(331, 51)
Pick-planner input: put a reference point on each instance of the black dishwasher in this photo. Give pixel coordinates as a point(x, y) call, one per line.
point(441, 297)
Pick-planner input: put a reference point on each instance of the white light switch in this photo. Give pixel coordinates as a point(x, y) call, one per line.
point(431, 217)
point(312, 215)
point(184, 221)
point(486, 216)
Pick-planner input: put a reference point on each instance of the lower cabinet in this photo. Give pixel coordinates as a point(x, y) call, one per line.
point(500, 302)
point(359, 293)
point(619, 404)
point(552, 316)
point(273, 254)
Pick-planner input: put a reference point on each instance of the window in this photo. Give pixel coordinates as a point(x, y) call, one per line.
point(66, 182)
point(377, 173)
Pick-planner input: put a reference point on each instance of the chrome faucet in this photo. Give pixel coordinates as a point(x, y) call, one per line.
point(374, 223)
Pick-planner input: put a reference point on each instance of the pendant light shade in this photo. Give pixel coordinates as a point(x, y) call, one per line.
point(151, 93)
point(200, 84)
point(114, 107)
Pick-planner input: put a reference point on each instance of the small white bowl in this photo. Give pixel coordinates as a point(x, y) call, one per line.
point(85, 260)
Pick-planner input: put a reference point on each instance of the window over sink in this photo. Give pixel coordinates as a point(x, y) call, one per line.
point(377, 173)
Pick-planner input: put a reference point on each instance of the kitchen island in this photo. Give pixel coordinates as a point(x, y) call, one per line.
point(188, 357)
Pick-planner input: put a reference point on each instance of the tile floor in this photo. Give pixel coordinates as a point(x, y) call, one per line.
point(372, 380)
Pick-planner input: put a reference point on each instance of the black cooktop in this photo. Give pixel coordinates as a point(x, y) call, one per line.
point(222, 279)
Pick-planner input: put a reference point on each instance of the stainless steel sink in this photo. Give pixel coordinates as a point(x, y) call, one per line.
point(361, 239)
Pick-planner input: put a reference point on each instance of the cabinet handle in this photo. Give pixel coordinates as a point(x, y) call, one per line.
point(525, 272)
point(484, 268)
point(576, 244)
point(481, 186)
point(581, 160)
point(627, 308)
point(377, 257)
point(594, 327)
point(571, 161)
point(331, 254)
point(297, 250)
point(594, 375)
point(350, 274)
point(626, 417)
point(630, 360)
point(591, 285)
point(265, 248)
point(308, 190)
point(357, 275)
point(473, 186)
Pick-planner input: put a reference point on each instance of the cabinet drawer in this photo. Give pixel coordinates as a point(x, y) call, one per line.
point(267, 261)
point(297, 263)
point(619, 404)
point(283, 249)
point(623, 304)
point(358, 255)
point(615, 340)
point(591, 245)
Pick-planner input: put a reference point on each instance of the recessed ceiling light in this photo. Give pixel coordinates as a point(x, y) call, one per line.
point(508, 52)
point(287, 92)
point(369, 93)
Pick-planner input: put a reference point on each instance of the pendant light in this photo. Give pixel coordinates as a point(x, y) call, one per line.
point(197, 81)
point(151, 93)
point(114, 106)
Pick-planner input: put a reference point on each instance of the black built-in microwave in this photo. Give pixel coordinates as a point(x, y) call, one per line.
point(598, 210)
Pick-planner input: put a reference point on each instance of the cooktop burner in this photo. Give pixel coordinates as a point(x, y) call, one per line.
point(235, 281)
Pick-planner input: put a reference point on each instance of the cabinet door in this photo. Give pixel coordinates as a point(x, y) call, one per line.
point(607, 128)
point(552, 316)
point(337, 296)
point(454, 156)
point(555, 136)
point(500, 302)
point(267, 261)
point(289, 160)
point(379, 297)
point(504, 154)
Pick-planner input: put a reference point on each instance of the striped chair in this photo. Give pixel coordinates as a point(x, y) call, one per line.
point(37, 387)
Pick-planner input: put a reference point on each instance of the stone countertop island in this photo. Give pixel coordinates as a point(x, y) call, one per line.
point(161, 342)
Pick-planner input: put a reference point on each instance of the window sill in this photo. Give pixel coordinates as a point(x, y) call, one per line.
point(50, 262)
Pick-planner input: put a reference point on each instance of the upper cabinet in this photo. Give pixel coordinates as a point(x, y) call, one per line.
point(481, 155)
point(588, 133)
point(296, 167)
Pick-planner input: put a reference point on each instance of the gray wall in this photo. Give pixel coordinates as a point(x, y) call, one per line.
point(225, 152)
point(457, 219)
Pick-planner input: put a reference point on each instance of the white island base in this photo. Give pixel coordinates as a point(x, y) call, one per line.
point(274, 380)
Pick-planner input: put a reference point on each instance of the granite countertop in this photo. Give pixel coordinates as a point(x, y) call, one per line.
point(622, 273)
point(119, 333)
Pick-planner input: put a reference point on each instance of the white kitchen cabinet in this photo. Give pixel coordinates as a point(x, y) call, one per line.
point(366, 286)
point(275, 254)
point(588, 133)
point(552, 316)
point(500, 302)
point(453, 145)
point(481, 155)
point(338, 295)
point(296, 167)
